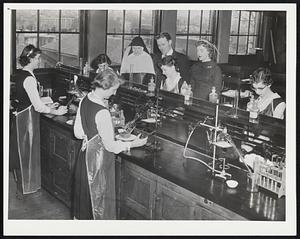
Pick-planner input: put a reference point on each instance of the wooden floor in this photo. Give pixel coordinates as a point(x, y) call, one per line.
point(40, 206)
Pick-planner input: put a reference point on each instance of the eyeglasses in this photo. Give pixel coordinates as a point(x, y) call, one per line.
point(258, 88)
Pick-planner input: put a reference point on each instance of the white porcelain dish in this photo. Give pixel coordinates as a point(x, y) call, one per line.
point(130, 138)
point(232, 183)
point(149, 120)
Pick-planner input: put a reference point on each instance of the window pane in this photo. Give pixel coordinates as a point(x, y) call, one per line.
point(49, 47)
point(114, 48)
point(22, 40)
point(147, 22)
point(244, 22)
point(148, 42)
point(242, 45)
point(195, 17)
point(127, 41)
point(26, 20)
point(182, 21)
point(70, 49)
point(49, 20)
point(69, 21)
point(233, 45)
point(132, 21)
point(192, 51)
point(234, 22)
point(252, 45)
point(181, 42)
point(115, 21)
point(207, 26)
point(254, 23)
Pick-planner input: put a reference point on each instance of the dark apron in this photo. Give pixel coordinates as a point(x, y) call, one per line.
point(28, 142)
point(100, 166)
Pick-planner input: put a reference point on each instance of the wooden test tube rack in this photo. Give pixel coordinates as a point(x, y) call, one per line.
point(271, 178)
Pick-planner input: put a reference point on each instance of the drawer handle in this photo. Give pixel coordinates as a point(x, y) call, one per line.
point(157, 198)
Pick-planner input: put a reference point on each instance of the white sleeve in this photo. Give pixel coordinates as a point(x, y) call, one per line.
point(30, 87)
point(124, 63)
point(150, 65)
point(279, 111)
point(78, 130)
point(106, 131)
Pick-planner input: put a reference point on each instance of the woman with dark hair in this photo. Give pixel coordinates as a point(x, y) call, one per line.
point(268, 102)
point(136, 58)
point(173, 81)
point(206, 73)
point(101, 63)
point(28, 121)
point(94, 184)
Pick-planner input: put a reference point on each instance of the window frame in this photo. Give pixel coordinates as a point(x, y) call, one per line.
point(156, 30)
point(213, 35)
point(82, 27)
point(238, 35)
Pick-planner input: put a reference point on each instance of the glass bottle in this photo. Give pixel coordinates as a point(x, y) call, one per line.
point(86, 69)
point(151, 87)
point(188, 97)
point(184, 88)
point(213, 96)
point(122, 118)
point(253, 110)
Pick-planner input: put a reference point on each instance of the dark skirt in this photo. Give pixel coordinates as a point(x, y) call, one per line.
point(82, 205)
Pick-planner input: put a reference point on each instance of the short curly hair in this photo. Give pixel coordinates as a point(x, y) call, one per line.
point(209, 47)
point(106, 79)
point(101, 58)
point(169, 61)
point(262, 74)
point(29, 52)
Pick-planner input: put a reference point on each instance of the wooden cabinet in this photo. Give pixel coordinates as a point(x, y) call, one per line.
point(118, 163)
point(58, 154)
point(137, 192)
point(170, 204)
point(46, 171)
point(148, 196)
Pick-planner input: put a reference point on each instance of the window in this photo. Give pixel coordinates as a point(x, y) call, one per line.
point(191, 26)
point(123, 26)
point(55, 32)
point(244, 32)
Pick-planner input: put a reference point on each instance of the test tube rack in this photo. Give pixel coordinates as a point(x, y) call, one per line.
point(271, 177)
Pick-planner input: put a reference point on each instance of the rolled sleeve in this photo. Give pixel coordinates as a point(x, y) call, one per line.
point(106, 131)
point(30, 87)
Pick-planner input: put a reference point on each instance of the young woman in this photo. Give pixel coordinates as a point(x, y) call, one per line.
point(101, 63)
point(27, 122)
point(206, 73)
point(268, 102)
point(173, 81)
point(94, 187)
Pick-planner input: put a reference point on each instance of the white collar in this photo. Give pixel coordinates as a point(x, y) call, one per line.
point(31, 72)
point(263, 103)
point(169, 53)
point(96, 99)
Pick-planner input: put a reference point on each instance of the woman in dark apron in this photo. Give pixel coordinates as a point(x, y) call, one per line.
point(26, 123)
point(94, 184)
